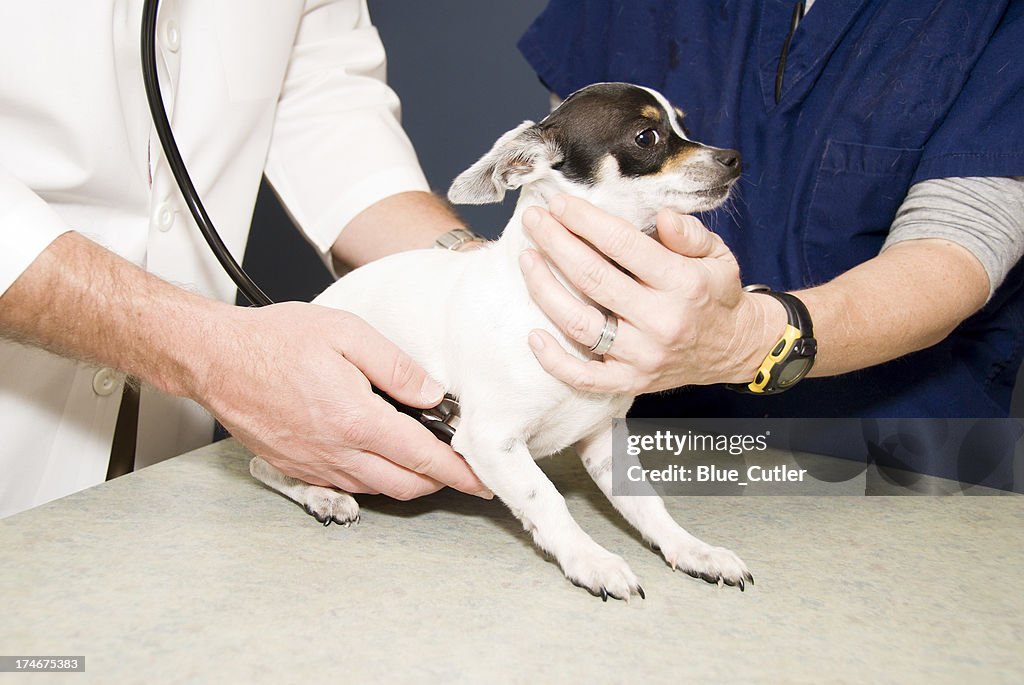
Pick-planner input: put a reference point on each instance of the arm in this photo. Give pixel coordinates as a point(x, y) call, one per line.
point(310, 411)
point(906, 299)
point(684, 318)
point(952, 238)
point(406, 221)
point(339, 160)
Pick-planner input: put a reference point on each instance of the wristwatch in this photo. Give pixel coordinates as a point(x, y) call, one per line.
point(456, 238)
point(792, 357)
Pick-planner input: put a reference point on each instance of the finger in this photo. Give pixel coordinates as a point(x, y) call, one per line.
point(346, 482)
point(388, 367)
point(323, 474)
point(619, 240)
point(583, 266)
point(380, 475)
point(587, 376)
point(349, 483)
point(407, 443)
point(581, 322)
point(687, 236)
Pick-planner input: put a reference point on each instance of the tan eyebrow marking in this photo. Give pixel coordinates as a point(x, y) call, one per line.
point(651, 112)
point(676, 126)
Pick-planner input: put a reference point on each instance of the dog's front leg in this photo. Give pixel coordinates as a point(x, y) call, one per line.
point(323, 504)
point(504, 465)
point(648, 515)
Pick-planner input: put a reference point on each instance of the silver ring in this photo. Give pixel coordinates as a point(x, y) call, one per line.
point(604, 343)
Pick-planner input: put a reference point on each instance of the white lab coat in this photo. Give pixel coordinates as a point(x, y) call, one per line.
point(290, 87)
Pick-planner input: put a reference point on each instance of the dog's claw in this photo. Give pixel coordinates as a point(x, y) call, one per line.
point(603, 593)
point(640, 591)
point(720, 580)
point(326, 520)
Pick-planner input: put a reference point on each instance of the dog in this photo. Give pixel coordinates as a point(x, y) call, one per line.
point(624, 149)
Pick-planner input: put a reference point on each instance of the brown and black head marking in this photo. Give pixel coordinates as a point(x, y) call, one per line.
point(604, 134)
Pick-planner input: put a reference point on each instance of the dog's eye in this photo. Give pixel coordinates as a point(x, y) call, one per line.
point(647, 138)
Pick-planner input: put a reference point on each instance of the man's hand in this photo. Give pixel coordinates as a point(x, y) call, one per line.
point(290, 383)
point(683, 316)
point(289, 380)
point(684, 319)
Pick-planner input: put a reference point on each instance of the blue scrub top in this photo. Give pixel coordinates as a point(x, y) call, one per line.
point(877, 95)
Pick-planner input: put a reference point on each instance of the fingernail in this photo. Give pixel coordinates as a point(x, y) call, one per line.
point(557, 205)
point(432, 391)
point(484, 494)
point(526, 260)
point(531, 217)
point(536, 342)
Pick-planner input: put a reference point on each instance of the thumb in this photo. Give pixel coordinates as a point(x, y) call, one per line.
point(388, 367)
point(686, 235)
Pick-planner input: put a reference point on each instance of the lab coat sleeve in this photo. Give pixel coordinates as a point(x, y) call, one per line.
point(27, 227)
point(337, 145)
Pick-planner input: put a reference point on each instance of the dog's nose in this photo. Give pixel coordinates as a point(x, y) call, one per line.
point(730, 159)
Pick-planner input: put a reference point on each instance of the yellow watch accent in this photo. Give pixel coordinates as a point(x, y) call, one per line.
point(792, 357)
point(777, 354)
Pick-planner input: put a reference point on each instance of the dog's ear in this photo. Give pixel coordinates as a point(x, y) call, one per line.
point(518, 157)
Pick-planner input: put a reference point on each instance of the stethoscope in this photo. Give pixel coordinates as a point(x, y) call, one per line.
point(440, 420)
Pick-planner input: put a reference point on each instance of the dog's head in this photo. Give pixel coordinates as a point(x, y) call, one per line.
point(622, 147)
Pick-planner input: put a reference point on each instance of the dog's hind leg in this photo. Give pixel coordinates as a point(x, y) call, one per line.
point(505, 465)
point(323, 504)
point(648, 515)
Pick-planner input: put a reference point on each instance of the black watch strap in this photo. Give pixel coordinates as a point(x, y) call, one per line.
point(791, 358)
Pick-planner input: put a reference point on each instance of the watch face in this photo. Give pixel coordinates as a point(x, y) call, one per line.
point(794, 371)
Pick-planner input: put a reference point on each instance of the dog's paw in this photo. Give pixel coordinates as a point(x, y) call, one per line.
point(711, 564)
point(601, 573)
point(326, 505)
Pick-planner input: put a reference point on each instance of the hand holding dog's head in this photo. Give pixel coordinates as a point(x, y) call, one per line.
point(620, 146)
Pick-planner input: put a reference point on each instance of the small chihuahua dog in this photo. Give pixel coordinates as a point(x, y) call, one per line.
point(624, 149)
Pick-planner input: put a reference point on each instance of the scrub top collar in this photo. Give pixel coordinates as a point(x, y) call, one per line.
point(815, 39)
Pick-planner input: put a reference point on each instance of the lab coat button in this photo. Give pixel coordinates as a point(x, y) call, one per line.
point(163, 217)
point(104, 382)
point(172, 37)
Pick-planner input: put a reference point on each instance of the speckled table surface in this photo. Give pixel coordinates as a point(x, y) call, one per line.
point(189, 571)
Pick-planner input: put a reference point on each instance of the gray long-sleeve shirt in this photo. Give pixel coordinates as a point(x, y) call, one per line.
point(985, 215)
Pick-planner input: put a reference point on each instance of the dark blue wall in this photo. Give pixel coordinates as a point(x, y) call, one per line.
point(462, 84)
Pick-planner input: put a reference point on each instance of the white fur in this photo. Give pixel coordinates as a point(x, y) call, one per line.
point(473, 339)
